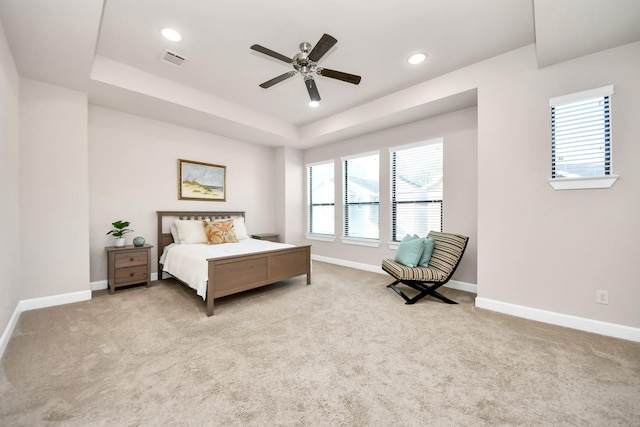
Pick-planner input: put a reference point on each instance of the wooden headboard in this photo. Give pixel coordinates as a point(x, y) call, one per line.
point(166, 218)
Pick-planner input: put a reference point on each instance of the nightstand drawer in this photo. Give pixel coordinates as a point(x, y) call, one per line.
point(131, 274)
point(130, 259)
point(128, 265)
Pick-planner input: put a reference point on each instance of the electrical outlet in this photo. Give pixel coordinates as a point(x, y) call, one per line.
point(602, 297)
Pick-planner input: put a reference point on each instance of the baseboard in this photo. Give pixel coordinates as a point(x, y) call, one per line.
point(580, 323)
point(462, 286)
point(344, 263)
point(453, 284)
point(8, 331)
point(35, 303)
point(100, 285)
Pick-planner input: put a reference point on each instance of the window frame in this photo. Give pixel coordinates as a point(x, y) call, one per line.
point(309, 202)
point(591, 181)
point(353, 240)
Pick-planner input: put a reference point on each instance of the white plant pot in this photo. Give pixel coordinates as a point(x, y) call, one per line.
point(119, 242)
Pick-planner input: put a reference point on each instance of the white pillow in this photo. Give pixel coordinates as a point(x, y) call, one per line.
point(240, 227)
point(191, 231)
point(174, 233)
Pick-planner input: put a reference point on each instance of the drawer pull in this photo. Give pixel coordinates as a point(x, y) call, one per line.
point(132, 274)
point(131, 260)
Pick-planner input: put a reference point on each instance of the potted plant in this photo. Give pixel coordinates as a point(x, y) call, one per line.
point(119, 230)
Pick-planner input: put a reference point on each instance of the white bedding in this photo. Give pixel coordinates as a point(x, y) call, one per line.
point(188, 262)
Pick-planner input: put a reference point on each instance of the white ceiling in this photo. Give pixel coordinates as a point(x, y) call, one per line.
point(111, 50)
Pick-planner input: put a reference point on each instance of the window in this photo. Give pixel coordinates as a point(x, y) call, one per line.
point(416, 188)
point(320, 198)
point(361, 197)
point(581, 135)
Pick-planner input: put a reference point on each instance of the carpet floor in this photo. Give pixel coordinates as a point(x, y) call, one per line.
point(344, 351)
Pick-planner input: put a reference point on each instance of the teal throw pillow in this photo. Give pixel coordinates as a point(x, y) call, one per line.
point(410, 251)
point(429, 244)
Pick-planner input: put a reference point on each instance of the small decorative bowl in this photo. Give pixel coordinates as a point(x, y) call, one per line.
point(138, 241)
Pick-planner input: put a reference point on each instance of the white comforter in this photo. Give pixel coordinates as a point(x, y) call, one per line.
point(188, 263)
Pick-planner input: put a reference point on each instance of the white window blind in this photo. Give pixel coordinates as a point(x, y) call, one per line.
point(416, 189)
point(361, 196)
point(320, 198)
point(581, 134)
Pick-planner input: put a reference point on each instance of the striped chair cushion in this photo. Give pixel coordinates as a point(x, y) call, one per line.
point(422, 274)
point(448, 250)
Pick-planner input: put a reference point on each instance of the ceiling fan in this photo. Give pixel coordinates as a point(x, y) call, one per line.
point(305, 62)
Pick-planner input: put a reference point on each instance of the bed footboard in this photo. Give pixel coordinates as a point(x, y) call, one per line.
point(230, 275)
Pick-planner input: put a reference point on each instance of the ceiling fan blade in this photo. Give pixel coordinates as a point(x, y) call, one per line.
point(339, 75)
point(271, 53)
point(278, 79)
point(325, 43)
point(312, 88)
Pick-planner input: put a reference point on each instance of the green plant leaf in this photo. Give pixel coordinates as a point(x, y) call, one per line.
point(120, 228)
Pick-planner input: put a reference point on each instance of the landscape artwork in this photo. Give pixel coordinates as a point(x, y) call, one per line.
point(201, 181)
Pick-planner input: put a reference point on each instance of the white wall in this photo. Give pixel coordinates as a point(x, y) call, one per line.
point(54, 191)
point(547, 249)
point(10, 288)
point(459, 130)
point(289, 207)
point(133, 172)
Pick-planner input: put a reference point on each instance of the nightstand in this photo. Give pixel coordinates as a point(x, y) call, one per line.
point(128, 265)
point(266, 236)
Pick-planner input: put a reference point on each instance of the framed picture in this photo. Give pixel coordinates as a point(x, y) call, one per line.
point(201, 181)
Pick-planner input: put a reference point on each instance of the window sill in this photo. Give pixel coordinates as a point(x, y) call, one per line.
point(320, 237)
point(583, 183)
point(361, 242)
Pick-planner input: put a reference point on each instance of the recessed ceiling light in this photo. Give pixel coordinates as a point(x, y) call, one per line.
point(416, 58)
point(171, 34)
point(314, 104)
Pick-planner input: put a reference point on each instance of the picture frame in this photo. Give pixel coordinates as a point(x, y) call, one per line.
point(201, 181)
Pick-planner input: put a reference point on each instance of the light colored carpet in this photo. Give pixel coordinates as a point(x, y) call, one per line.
point(343, 351)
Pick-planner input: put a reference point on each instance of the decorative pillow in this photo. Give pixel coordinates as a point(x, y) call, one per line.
point(191, 231)
point(220, 232)
point(240, 228)
point(429, 244)
point(410, 251)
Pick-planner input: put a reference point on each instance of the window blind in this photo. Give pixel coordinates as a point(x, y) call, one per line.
point(362, 197)
point(581, 134)
point(416, 189)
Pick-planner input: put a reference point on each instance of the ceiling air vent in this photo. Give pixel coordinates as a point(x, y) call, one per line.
point(173, 58)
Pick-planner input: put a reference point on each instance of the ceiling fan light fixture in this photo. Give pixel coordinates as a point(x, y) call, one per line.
point(171, 34)
point(305, 63)
point(417, 58)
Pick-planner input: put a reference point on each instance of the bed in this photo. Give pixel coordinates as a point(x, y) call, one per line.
point(226, 275)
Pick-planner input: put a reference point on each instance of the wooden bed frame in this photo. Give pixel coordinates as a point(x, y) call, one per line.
point(233, 274)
